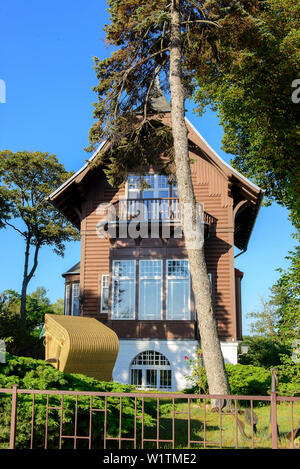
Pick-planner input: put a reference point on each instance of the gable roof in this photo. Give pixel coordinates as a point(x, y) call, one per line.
point(222, 163)
point(67, 198)
point(73, 270)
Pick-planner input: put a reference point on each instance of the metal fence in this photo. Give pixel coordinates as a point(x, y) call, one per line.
point(68, 419)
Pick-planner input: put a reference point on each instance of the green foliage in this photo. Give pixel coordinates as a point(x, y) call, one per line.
point(58, 306)
point(28, 178)
point(263, 351)
point(28, 373)
point(22, 340)
point(288, 379)
point(251, 88)
point(279, 318)
point(265, 320)
point(140, 33)
point(197, 374)
point(285, 298)
point(248, 380)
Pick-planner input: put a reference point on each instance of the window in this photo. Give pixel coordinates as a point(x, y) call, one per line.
point(146, 301)
point(67, 299)
point(136, 377)
point(150, 186)
point(151, 370)
point(75, 299)
point(155, 191)
point(166, 379)
point(150, 289)
point(178, 289)
point(104, 293)
point(123, 296)
point(134, 184)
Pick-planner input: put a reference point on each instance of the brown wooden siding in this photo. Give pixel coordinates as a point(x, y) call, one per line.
point(212, 189)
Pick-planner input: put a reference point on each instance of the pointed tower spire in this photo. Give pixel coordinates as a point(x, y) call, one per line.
point(157, 100)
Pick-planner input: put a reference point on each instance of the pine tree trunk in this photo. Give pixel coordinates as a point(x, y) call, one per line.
point(212, 354)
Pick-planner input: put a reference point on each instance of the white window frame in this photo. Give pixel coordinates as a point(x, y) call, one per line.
point(157, 186)
point(104, 278)
point(142, 206)
point(77, 285)
point(114, 277)
point(153, 367)
point(154, 277)
point(168, 278)
point(136, 191)
point(67, 299)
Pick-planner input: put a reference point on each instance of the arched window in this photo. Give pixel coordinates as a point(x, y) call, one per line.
point(151, 370)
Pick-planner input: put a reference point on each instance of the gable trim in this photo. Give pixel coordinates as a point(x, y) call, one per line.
point(233, 170)
point(74, 176)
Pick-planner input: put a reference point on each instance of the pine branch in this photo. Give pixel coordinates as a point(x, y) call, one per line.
point(192, 2)
point(201, 21)
point(127, 73)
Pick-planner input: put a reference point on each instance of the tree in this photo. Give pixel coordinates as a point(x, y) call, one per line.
point(285, 299)
point(58, 306)
point(279, 317)
point(264, 351)
point(37, 305)
point(265, 320)
point(169, 40)
point(251, 85)
point(276, 325)
point(20, 340)
point(26, 179)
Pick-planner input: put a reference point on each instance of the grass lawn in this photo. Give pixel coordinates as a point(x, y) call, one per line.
point(261, 438)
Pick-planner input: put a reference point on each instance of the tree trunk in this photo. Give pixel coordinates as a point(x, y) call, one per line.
point(25, 282)
point(212, 354)
point(27, 277)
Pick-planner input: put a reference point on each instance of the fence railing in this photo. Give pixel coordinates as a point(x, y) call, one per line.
point(78, 419)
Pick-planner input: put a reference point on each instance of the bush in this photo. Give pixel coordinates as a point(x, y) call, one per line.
point(288, 380)
point(197, 376)
point(254, 380)
point(263, 351)
point(29, 373)
point(248, 380)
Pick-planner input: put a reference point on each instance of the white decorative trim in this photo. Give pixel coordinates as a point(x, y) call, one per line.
point(221, 160)
point(77, 173)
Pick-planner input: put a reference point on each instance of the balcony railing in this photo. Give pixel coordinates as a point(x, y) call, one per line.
point(143, 210)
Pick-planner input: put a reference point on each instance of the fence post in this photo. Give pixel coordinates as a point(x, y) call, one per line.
point(13, 418)
point(274, 427)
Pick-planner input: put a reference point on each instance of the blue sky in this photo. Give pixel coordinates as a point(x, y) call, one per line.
point(46, 61)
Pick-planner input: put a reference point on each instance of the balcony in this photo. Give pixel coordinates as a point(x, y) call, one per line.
point(163, 212)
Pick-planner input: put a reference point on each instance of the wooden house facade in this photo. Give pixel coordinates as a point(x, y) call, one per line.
point(136, 280)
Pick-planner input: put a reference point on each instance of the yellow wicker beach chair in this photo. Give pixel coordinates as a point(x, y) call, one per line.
point(80, 345)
